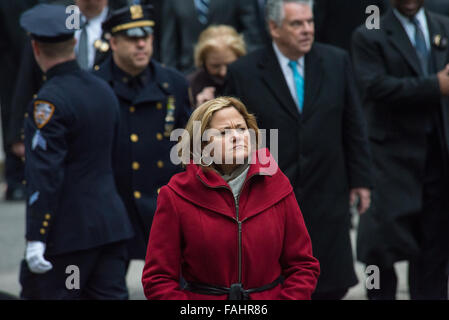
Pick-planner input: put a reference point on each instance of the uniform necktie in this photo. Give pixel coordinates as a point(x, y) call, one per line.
point(421, 46)
point(299, 84)
point(83, 51)
point(202, 6)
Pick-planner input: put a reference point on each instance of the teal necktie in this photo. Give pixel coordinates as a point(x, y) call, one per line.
point(299, 84)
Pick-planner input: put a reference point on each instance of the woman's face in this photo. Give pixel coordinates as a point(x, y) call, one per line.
point(217, 60)
point(230, 138)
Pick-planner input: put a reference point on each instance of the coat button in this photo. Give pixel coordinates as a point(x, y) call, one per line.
point(96, 67)
point(137, 195)
point(159, 136)
point(132, 109)
point(159, 106)
point(160, 164)
point(34, 96)
point(136, 165)
point(47, 216)
point(134, 137)
point(24, 182)
point(25, 115)
point(42, 231)
point(45, 224)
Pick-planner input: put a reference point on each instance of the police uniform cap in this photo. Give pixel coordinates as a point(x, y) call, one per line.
point(47, 23)
point(133, 21)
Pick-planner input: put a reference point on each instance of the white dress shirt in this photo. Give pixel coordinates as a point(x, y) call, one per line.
point(288, 72)
point(410, 27)
point(94, 33)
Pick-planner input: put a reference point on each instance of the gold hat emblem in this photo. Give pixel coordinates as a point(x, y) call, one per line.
point(136, 12)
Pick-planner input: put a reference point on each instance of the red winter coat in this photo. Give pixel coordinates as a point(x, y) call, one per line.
point(196, 230)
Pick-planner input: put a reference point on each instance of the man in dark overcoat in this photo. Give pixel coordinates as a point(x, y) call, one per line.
point(402, 68)
point(306, 91)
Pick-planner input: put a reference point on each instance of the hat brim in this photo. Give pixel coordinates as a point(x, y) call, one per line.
point(139, 32)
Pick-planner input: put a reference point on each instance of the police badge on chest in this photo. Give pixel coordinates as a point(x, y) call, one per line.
point(170, 117)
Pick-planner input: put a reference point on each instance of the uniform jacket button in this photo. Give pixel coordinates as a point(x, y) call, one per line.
point(134, 137)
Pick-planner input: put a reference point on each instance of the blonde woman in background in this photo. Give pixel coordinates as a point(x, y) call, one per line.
point(218, 46)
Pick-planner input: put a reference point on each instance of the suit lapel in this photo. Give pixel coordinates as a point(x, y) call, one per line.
point(273, 77)
point(313, 79)
point(400, 40)
point(439, 55)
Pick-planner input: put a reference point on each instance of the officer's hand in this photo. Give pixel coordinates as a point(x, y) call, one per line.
point(364, 196)
point(35, 257)
point(18, 148)
point(207, 94)
point(443, 80)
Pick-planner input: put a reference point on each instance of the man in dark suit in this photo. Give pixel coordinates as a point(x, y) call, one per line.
point(402, 68)
point(183, 21)
point(306, 91)
point(336, 20)
point(76, 222)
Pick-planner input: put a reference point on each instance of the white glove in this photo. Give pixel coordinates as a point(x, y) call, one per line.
point(34, 255)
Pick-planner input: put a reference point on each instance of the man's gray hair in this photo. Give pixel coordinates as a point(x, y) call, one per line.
point(275, 9)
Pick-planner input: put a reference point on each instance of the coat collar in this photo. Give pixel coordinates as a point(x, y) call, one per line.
point(62, 68)
point(155, 90)
point(273, 76)
point(400, 40)
point(264, 186)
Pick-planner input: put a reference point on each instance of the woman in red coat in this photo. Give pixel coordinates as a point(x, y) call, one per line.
point(230, 223)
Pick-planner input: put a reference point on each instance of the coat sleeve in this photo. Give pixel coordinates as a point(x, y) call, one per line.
point(299, 267)
point(170, 42)
point(160, 278)
point(382, 87)
point(355, 135)
point(46, 149)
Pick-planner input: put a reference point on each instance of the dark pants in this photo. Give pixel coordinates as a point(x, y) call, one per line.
point(102, 276)
point(428, 272)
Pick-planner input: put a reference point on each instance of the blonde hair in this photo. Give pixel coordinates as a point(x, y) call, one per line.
point(217, 37)
point(204, 114)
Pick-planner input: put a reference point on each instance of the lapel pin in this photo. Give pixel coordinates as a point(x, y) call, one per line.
point(440, 42)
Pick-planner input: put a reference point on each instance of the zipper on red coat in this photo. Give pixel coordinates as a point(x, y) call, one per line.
point(239, 223)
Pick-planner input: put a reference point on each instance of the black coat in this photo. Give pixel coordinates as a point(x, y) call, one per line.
point(142, 166)
point(398, 100)
point(437, 6)
point(336, 20)
point(323, 151)
point(72, 201)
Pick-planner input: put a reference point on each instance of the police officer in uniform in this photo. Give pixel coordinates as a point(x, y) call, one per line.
point(153, 101)
point(76, 222)
point(30, 77)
